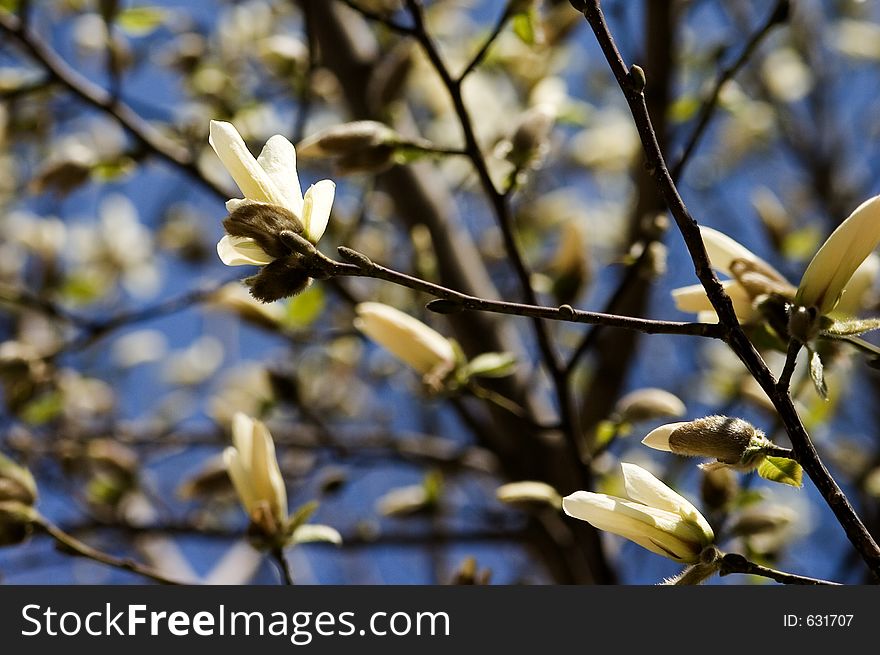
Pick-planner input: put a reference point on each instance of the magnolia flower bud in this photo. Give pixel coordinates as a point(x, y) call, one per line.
point(718, 487)
point(359, 146)
point(529, 140)
point(726, 439)
point(407, 338)
point(528, 492)
point(255, 473)
point(654, 516)
point(16, 522)
point(16, 483)
point(648, 404)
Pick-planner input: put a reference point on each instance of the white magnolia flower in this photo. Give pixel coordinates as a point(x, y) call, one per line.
point(844, 261)
point(654, 516)
point(832, 267)
point(407, 338)
point(269, 179)
point(253, 469)
point(750, 276)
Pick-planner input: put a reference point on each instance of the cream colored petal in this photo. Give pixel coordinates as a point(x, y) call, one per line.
point(313, 532)
point(316, 209)
point(842, 253)
point(407, 338)
point(631, 521)
point(276, 490)
point(723, 251)
point(693, 299)
point(658, 439)
point(243, 438)
point(250, 177)
point(643, 487)
point(853, 300)
point(241, 251)
point(240, 479)
point(278, 159)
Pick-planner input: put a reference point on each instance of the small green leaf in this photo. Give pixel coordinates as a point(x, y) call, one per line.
point(305, 308)
point(43, 409)
point(524, 28)
point(433, 485)
point(140, 21)
point(856, 326)
point(817, 372)
point(782, 470)
point(606, 431)
point(407, 153)
point(684, 109)
point(491, 365)
point(302, 514)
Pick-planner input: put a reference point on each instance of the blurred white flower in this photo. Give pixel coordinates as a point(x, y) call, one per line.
point(254, 471)
point(407, 338)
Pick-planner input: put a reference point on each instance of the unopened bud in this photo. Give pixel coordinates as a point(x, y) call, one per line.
point(112, 457)
point(718, 487)
point(529, 492)
point(529, 140)
point(16, 483)
point(16, 522)
point(358, 146)
point(803, 324)
point(728, 440)
point(648, 404)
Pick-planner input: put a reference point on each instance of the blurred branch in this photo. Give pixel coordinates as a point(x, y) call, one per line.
point(804, 450)
point(377, 17)
point(487, 44)
point(778, 14)
point(92, 94)
point(73, 546)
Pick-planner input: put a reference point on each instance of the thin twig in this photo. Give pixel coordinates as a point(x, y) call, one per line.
point(74, 546)
point(784, 383)
point(563, 313)
point(735, 563)
point(487, 44)
point(283, 565)
point(709, 106)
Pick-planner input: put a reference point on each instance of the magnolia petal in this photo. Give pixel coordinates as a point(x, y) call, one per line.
point(405, 337)
point(853, 297)
point(629, 520)
point(240, 479)
point(250, 177)
point(837, 260)
point(278, 159)
point(723, 251)
point(643, 487)
point(243, 437)
point(658, 439)
point(312, 532)
point(693, 299)
point(241, 251)
point(265, 473)
point(316, 209)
